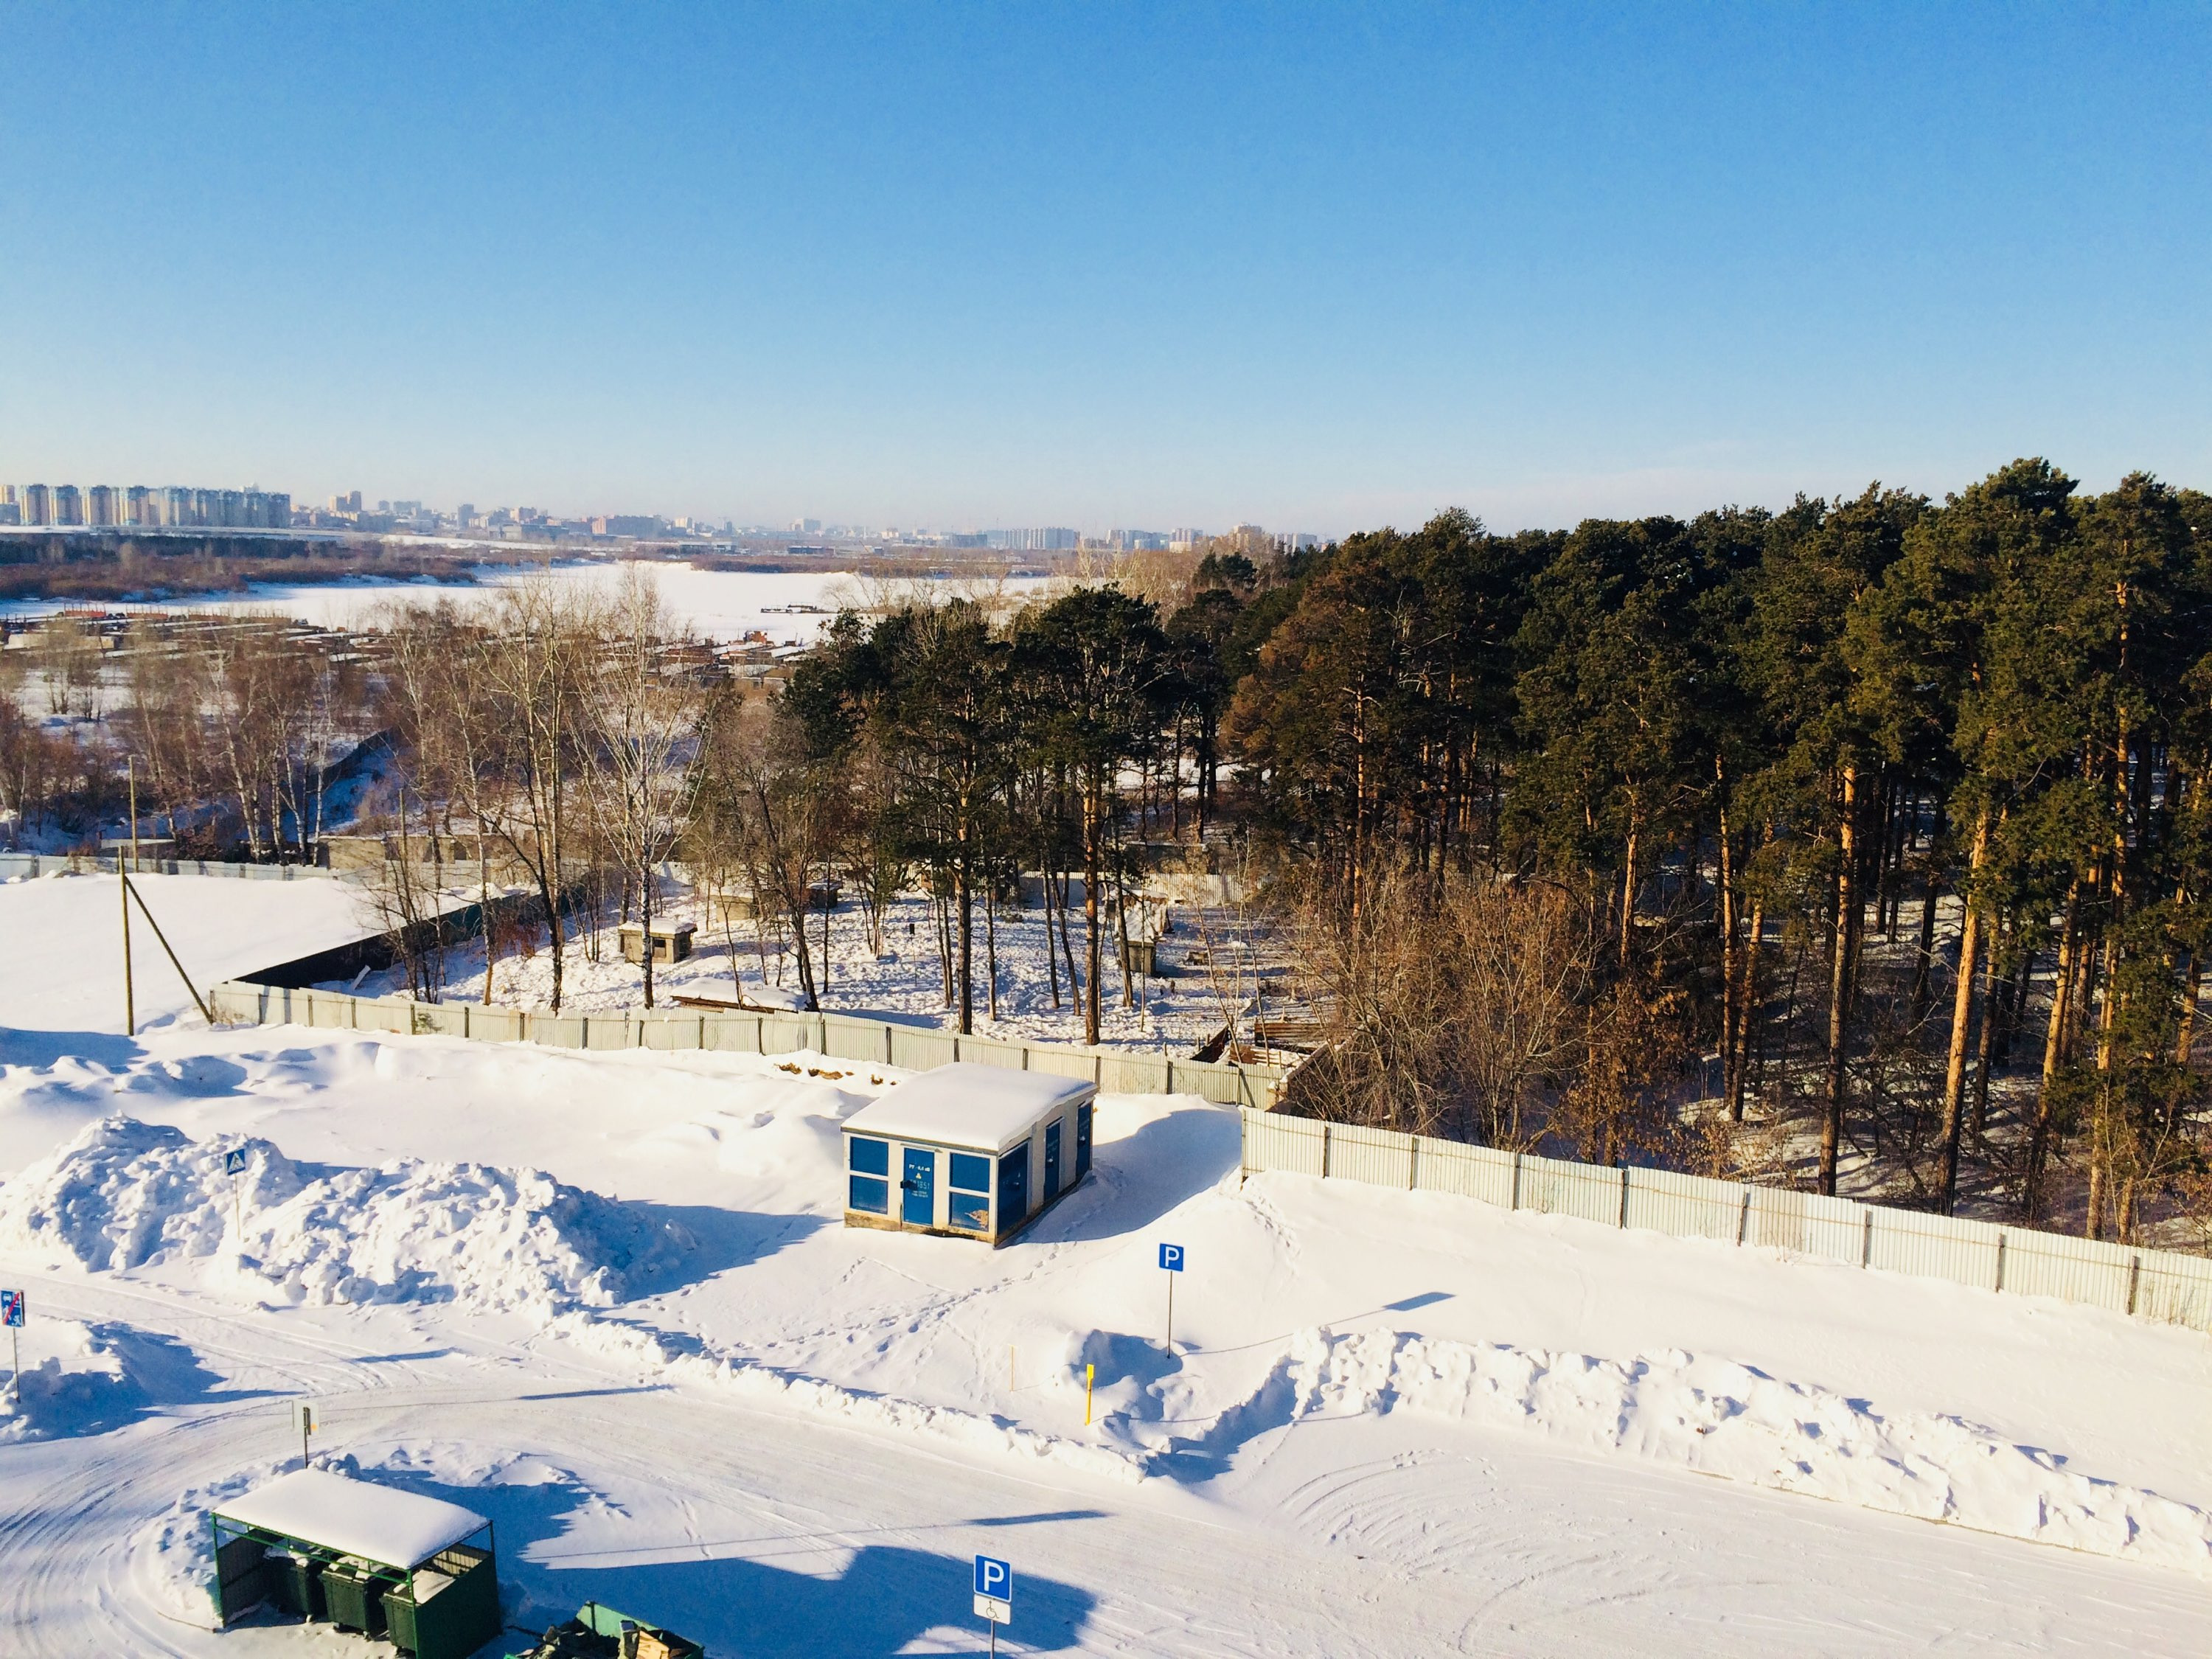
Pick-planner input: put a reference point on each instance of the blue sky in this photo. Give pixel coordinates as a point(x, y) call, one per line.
point(1317, 267)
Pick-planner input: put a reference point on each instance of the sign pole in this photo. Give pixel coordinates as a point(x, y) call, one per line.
point(1171, 1264)
point(1090, 1378)
point(11, 1315)
point(130, 1005)
point(131, 767)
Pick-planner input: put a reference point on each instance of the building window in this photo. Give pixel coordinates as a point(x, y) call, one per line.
point(969, 1206)
point(1013, 1187)
point(871, 1164)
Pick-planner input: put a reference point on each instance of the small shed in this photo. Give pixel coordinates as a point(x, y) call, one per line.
point(418, 1572)
point(671, 940)
point(967, 1151)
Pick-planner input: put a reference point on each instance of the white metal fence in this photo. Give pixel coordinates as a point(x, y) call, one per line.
point(841, 1037)
point(52, 864)
point(2157, 1285)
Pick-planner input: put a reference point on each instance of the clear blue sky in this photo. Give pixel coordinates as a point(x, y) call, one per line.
point(1319, 267)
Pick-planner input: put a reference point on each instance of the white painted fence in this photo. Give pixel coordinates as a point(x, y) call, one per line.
point(54, 863)
point(840, 1037)
point(2157, 1285)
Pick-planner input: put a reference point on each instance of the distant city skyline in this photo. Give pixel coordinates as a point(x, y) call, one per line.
point(1330, 267)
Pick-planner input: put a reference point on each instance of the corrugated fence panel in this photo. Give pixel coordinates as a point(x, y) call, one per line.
point(857, 1039)
point(1063, 1062)
point(1556, 1187)
point(919, 1050)
point(987, 1051)
point(1483, 1172)
point(1291, 1144)
point(788, 1034)
point(2072, 1269)
point(495, 1024)
point(673, 1031)
point(1833, 1229)
point(610, 1031)
point(2177, 1289)
point(435, 1019)
point(1381, 1157)
point(1934, 1247)
point(558, 1030)
point(1685, 1206)
point(1131, 1074)
point(735, 1033)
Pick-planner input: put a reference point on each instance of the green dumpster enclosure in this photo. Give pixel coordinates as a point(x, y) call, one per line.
point(367, 1557)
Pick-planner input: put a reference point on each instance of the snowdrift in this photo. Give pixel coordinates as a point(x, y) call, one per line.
point(126, 1194)
point(1716, 1416)
point(89, 1383)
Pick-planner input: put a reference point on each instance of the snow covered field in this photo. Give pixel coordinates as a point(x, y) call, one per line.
point(721, 604)
point(606, 1298)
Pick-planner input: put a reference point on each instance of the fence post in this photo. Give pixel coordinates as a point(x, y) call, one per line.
point(1743, 1219)
point(1324, 1169)
point(1413, 1163)
point(2134, 1278)
point(887, 1043)
point(1515, 1204)
point(1999, 1285)
point(1624, 1196)
point(1866, 1241)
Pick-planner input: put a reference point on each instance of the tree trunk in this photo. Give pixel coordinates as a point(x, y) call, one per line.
point(1962, 1009)
point(1839, 978)
point(2054, 1048)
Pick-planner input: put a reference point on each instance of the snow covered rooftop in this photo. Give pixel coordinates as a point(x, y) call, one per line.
point(964, 1105)
point(354, 1517)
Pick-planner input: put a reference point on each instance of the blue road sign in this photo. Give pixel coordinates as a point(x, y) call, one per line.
point(233, 1164)
point(11, 1308)
point(994, 1579)
point(1171, 1258)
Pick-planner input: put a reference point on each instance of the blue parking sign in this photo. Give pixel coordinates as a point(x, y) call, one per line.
point(994, 1578)
point(1171, 1258)
point(11, 1308)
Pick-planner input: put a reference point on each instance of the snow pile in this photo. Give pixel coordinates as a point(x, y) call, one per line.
point(85, 1384)
point(127, 1194)
point(664, 1360)
point(1719, 1418)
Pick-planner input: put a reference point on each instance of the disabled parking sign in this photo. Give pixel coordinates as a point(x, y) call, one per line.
point(995, 1590)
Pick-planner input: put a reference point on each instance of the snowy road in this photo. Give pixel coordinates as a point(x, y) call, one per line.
point(771, 1532)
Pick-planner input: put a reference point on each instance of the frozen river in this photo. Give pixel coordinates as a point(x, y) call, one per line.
point(722, 604)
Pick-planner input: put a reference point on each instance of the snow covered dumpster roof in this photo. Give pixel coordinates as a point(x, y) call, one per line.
point(986, 1108)
point(390, 1528)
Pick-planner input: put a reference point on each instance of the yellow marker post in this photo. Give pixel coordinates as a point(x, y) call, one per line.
point(1090, 1378)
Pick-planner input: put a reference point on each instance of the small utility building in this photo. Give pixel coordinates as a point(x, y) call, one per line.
point(974, 1151)
point(369, 1558)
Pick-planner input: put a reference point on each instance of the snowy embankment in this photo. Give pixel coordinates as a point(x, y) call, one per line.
point(1718, 1418)
point(126, 1194)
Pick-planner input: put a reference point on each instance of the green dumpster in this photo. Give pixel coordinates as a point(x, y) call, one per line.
point(354, 1589)
point(295, 1584)
point(369, 1557)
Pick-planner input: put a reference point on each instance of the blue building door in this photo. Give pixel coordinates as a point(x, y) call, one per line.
point(1051, 1162)
point(918, 1205)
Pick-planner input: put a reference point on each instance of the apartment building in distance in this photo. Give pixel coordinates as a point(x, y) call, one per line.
point(176, 507)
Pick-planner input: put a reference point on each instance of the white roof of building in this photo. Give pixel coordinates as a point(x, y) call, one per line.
point(354, 1517)
point(964, 1105)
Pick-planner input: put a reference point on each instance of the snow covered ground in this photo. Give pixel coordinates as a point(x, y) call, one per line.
point(720, 604)
point(1176, 1011)
point(62, 939)
point(607, 1299)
